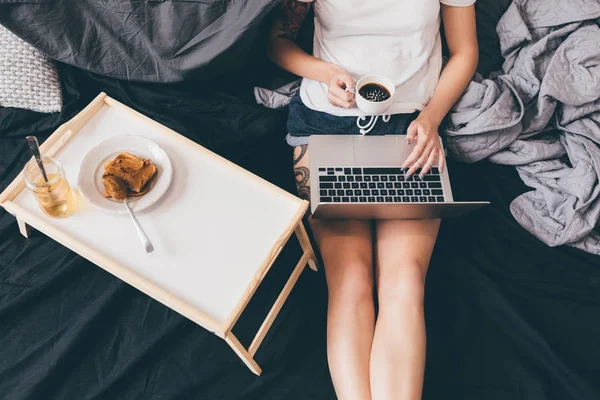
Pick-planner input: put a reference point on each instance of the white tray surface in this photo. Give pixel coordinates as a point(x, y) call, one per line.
point(211, 231)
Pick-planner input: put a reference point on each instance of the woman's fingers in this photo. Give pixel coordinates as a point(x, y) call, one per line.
point(419, 147)
point(411, 161)
point(429, 163)
point(347, 81)
point(441, 160)
point(339, 102)
point(340, 92)
point(411, 132)
point(421, 158)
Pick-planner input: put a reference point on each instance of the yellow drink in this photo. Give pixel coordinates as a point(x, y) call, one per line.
point(56, 199)
point(55, 196)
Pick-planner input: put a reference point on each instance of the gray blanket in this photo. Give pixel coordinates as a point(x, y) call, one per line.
point(145, 40)
point(542, 114)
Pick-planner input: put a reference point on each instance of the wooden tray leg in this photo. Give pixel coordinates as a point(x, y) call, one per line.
point(266, 325)
point(242, 353)
point(23, 228)
point(306, 246)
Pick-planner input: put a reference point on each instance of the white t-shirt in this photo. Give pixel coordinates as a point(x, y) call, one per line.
point(399, 39)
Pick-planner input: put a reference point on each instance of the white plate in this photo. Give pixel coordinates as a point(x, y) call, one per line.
point(92, 167)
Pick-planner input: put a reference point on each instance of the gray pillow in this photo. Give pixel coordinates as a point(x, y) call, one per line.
point(28, 79)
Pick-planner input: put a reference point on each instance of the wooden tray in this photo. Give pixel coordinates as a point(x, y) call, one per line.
point(216, 232)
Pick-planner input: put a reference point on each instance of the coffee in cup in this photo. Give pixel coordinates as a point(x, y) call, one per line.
point(374, 94)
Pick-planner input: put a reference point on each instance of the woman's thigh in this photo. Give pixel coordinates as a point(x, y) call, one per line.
point(403, 253)
point(302, 172)
point(346, 246)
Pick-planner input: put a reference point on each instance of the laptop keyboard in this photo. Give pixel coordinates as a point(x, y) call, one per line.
point(378, 185)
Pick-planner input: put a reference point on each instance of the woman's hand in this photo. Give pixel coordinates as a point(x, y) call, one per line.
point(341, 88)
point(461, 36)
point(428, 150)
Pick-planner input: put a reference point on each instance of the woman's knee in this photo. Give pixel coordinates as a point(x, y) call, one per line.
point(353, 285)
point(405, 287)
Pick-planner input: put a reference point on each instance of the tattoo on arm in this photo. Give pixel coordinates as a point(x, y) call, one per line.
point(292, 14)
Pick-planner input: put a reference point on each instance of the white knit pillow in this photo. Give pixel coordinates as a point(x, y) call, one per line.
point(28, 79)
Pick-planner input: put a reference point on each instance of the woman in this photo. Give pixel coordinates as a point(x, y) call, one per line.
point(383, 357)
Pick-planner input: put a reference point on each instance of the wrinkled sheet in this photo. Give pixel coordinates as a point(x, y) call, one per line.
point(144, 40)
point(541, 113)
point(507, 317)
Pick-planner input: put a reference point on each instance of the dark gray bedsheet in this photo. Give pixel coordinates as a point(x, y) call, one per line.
point(507, 317)
point(142, 40)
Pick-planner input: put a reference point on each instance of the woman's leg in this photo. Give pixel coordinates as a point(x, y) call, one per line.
point(346, 250)
point(403, 251)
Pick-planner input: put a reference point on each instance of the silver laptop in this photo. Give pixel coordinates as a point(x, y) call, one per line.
point(360, 177)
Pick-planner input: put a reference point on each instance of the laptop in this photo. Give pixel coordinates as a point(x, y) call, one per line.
point(360, 177)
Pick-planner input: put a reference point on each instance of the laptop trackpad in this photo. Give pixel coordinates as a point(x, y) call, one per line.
point(377, 150)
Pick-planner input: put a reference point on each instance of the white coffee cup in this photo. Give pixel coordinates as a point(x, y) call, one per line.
point(374, 107)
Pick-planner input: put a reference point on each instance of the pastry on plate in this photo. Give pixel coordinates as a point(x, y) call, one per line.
point(127, 176)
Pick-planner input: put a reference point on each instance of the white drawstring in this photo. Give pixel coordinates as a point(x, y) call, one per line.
point(364, 129)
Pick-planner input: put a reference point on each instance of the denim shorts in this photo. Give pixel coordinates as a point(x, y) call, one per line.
point(303, 122)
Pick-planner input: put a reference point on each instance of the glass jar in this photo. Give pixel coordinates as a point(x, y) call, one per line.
point(55, 197)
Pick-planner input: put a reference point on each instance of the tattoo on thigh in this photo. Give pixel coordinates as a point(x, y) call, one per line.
point(302, 175)
point(300, 156)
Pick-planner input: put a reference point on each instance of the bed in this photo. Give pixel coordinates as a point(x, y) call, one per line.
point(507, 316)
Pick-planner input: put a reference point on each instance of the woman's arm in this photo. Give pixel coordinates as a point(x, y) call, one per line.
point(282, 48)
point(284, 52)
point(461, 36)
